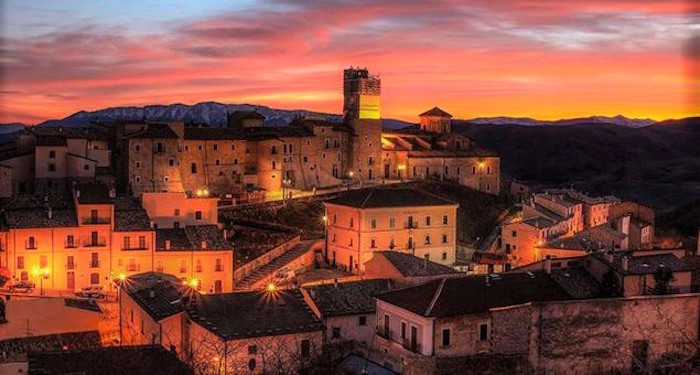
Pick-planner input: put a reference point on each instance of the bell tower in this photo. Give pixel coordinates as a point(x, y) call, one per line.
point(361, 112)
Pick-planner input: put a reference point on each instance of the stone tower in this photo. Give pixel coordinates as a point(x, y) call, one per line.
point(361, 111)
point(436, 120)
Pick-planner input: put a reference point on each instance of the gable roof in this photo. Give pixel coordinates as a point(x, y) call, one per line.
point(435, 111)
point(191, 237)
point(647, 264)
point(349, 298)
point(168, 292)
point(388, 197)
point(411, 266)
point(473, 294)
point(156, 131)
point(233, 316)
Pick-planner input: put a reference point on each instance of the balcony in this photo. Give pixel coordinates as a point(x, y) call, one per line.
point(159, 269)
point(94, 264)
point(30, 245)
point(410, 226)
point(183, 269)
point(385, 333)
point(219, 269)
point(412, 347)
point(135, 247)
point(99, 242)
point(198, 269)
point(96, 220)
point(70, 245)
point(133, 267)
point(71, 266)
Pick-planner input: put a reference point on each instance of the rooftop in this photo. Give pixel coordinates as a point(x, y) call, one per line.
point(156, 131)
point(349, 298)
point(39, 218)
point(16, 350)
point(452, 296)
point(133, 360)
point(385, 197)
point(132, 221)
point(435, 111)
point(257, 314)
point(413, 266)
point(648, 264)
point(539, 222)
point(166, 297)
point(191, 237)
point(51, 140)
point(81, 132)
point(92, 193)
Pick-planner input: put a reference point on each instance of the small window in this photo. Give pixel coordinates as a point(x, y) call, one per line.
point(336, 333)
point(352, 223)
point(446, 337)
point(427, 240)
point(137, 178)
point(483, 332)
point(373, 243)
point(403, 330)
point(444, 238)
point(515, 233)
point(445, 219)
point(373, 223)
point(215, 147)
point(86, 167)
point(177, 212)
point(305, 159)
point(444, 256)
point(362, 321)
point(305, 348)
point(217, 162)
point(193, 168)
point(137, 148)
point(52, 167)
point(52, 154)
point(427, 221)
point(171, 162)
point(392, 223)
point(198, 215)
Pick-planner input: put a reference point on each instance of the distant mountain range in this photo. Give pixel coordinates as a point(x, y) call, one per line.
point(214, 114)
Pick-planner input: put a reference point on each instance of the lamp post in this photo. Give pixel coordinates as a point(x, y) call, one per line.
point(42, 273)
point(351, 174)
point(325, 236)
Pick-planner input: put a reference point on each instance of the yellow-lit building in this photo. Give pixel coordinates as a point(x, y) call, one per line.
point(362, 222)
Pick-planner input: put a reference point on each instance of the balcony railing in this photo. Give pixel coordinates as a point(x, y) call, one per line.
point(410, 226)
point(100, 242)
point(96, 220)
point(71, 266)
point(135, 247)
point(183, 269)
point(70, 245)
point(219, 269)
point(159, 269)
point(30, 245)
point(198, 269)
point(94, 264)
point(413, 347)
point(385, 333)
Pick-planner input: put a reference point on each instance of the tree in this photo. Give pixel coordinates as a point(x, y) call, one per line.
point(663, 277)
point(610, 285)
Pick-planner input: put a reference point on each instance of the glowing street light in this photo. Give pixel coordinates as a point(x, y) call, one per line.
point(42, 273)
point(122, 276)
point(271, 287)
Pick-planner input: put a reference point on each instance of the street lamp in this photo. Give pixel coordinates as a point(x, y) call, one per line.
point(325, 236)
point(351, 174)
point(42, 273)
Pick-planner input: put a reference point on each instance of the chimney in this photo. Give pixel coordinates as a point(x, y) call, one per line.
point(77, 193)
point(203, 245)
point(548, 265)
point(167, 244)
point(625, 263)
point(226, 234)
point(152, 294)
point(50, 213)
point(112, 193)
point(335, 282)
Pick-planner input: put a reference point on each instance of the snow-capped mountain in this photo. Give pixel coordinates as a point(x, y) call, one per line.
point(211, 113)
point(526, 121)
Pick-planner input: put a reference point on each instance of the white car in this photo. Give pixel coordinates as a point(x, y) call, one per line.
point(92, 291)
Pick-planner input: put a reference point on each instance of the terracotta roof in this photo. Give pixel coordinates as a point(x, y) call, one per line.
point(205, 133)
point(17, 349)
point(233, 316)
point(648, 264)
point(80, 132)
point(51, 140)
point(156, 131)
point(349, 298)
point(388, 197)
point(474, 294)
point(435, 111)
point(539, 222)
point(133, 360)
point(159, 295)
point(39, 218)
point(413, 266)
point(191, 237)
point(93, 193)
point(132, 221)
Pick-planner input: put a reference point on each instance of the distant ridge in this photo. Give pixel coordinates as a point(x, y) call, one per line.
point(618, 120)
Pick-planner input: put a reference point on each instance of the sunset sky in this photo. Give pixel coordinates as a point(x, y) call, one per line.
point(542, 59)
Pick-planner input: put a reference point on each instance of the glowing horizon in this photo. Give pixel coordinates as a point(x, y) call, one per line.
point(537, 59)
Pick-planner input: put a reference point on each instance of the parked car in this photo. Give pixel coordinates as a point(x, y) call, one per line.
point(92, 291)
point(22, 287)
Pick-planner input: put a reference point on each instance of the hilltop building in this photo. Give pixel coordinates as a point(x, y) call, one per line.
point(138, 156)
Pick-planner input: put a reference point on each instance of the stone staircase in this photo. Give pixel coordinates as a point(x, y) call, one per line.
point(268, 271)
